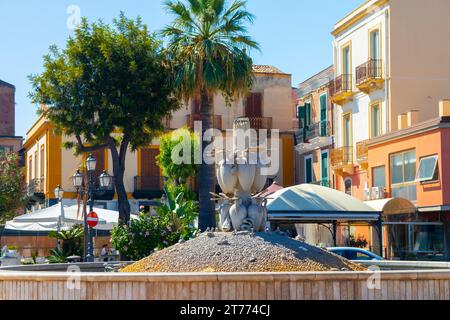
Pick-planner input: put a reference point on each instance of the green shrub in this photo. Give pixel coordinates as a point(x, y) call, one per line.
point(174, 221)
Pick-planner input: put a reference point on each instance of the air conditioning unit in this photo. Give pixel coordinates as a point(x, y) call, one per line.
point(367, 194)
point(377, 193)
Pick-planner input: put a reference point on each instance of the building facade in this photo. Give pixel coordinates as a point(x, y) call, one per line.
point(8, 141)
point(381, 75)
point(48, 164)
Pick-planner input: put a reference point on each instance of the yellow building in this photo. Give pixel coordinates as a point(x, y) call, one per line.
point(48, 164)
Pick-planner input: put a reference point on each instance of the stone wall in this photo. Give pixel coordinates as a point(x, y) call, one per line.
point(398, 285)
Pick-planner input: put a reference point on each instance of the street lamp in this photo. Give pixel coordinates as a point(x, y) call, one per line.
point(105, 180)
point(91, 163)
point(59, 192)
point(77, 180)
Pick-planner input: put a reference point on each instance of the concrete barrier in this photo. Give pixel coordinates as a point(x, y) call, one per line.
point(392, 285)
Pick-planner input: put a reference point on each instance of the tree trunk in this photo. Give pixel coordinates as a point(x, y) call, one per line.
point(207, 177)
point(118, 159)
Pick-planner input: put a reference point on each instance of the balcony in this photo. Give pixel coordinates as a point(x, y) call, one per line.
point(216, 120)
point(362, 152)
point(369, 76)
point(259, 123)
point(342, 158)
point(36, 190)
point(315, 136)
point(149, 187)
point(341, 89)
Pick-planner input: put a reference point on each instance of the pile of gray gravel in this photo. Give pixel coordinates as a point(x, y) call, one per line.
point(242, 252)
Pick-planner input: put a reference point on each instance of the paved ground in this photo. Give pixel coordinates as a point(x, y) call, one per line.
point(242, 252)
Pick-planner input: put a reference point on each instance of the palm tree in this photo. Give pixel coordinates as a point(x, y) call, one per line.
point(208, 41)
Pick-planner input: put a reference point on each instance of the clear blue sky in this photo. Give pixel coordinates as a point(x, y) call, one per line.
point(294, 35)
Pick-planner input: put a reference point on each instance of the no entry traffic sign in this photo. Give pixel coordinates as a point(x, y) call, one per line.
point(92, 219)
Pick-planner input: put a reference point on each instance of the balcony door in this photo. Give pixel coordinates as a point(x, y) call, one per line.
point(309, 169)
point(347, 130)
point(374, 52)
point(325, 169)
point(253, 105)
point(346, 63)
point(150, 172)
point(323, 115)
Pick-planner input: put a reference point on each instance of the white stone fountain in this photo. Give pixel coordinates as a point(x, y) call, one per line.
point(239, 207)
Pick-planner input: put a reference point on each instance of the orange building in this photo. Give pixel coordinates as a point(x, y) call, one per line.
point(410, 167)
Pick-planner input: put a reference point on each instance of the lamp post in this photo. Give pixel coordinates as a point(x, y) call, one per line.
point(59, 192)
point(105, 181)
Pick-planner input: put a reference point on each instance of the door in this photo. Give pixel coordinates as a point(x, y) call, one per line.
point(325, 169)
point(150, 172)
point(347, 129)
point(308, 169)
point(374, 53)
point(253, 105)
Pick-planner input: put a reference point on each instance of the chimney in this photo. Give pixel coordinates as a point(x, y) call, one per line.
point(444, 108)
point(412, 118)
point(402, 121)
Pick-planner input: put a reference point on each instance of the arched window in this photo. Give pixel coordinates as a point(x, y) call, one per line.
point(348, 186)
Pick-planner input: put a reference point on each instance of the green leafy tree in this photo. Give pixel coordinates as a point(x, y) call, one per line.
point(174, 144)
point(109, 88)
point(13, 194)
point(208, 42)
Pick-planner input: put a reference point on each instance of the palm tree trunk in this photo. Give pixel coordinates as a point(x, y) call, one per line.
point(207, 177)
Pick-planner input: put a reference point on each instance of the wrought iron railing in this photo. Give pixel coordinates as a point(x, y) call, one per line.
point(341, 156)
point(216, 120)
point(36, 186)
point(259, 123)
point(340, 84)
point(319, 129)
point(362, 151)
point(371, 69)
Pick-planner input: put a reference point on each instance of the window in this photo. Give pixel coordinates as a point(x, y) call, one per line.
point(379, 177)
point(323, 115)
point(346, 60)
point(42, 161)
point(6, 149)
point(375, 44)
point(307, 114)
point(348, 186)
point(428, 169)
point(375, 120)
point(347, 130)
point(30, 168)
point(325, 171)
point(403, 175)
point(308, 169)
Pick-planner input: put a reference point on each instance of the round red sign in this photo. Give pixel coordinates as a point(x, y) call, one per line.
point(92, 219)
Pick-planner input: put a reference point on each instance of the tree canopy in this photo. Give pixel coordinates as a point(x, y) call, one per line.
point(13, 195)
point(109, 88)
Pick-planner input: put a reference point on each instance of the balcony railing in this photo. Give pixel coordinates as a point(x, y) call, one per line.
point(148, 187)
point(36, 187)
point(369, 75)
point(368, 70)
point(259, 123)
point(36, 190)
point(216, 120)
point(341, 157)
point(319, 129)
point(362, 151)
point(341, 88)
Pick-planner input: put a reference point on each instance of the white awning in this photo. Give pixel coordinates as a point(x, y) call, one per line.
point(47, 219)
point(393, 206)
point(309, 202)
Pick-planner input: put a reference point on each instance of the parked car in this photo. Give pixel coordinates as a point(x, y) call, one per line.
point(354, 253)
